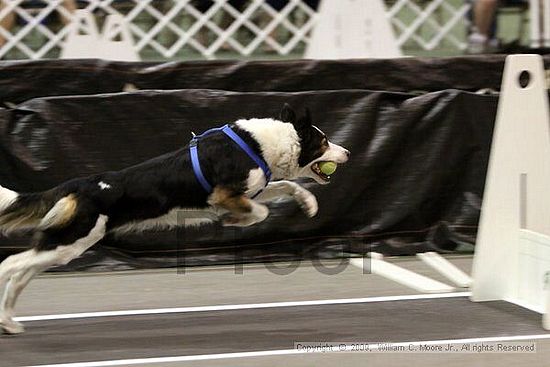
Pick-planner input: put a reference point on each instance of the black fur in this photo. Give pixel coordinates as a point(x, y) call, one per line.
point(313, 142)
point(153, 188)
point(147, 190)
point(80, 212)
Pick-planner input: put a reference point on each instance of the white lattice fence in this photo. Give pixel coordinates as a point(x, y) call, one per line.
point(429, 23)
point(36, 29)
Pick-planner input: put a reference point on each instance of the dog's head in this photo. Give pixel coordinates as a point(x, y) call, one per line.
point(315, 148)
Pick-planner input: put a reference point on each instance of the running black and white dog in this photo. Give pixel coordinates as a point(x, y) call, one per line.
point(72, 217)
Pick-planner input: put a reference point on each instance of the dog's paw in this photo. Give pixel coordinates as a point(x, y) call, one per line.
point(11, 327)
point(230, 220)
point(307, 201)
point(258, 214)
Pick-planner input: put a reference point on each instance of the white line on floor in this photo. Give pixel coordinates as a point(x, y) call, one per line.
point(241, 306)
point(265, 353)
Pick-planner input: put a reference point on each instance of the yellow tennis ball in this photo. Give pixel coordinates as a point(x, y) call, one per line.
point(328, 168)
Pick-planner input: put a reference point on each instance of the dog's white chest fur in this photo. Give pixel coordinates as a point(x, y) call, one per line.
point(256, 182)
point(178, 217)
point(279, 143)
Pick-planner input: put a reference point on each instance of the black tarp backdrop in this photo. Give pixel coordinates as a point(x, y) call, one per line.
point(414, 182)
point(23, 80)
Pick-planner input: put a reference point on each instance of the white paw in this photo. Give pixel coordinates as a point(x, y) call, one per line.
point(230, 220)
point(307, 201)
point(10, 326)
point(258, 214)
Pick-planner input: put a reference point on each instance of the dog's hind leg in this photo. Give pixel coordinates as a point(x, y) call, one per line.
point(11, 266)
point(15, 286)
point(21, 268)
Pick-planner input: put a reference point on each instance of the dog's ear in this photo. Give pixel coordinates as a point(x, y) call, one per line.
point(287, 114)
point(307, 117)
point(304, 121)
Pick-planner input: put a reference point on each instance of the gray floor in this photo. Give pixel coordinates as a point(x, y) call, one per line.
point(69, 293)
point(183, 334)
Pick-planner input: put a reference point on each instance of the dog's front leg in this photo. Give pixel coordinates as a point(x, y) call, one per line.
point(278, 189)
point(243, 212)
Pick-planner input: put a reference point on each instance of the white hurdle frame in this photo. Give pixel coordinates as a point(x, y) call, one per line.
point(376, 265)
point(446, 268)
point(512, 254)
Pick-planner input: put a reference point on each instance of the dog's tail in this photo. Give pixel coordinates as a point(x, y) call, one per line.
point(22, 212)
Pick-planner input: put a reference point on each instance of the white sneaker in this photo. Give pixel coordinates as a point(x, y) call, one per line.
point(477, 43)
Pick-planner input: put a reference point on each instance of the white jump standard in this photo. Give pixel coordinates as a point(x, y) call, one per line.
point(512, 255)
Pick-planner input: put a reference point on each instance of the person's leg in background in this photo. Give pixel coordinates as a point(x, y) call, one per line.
point(484, 12)
point(7, 21)
point(70, 6)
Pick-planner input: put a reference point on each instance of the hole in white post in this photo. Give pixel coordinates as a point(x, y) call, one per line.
point(524, 79)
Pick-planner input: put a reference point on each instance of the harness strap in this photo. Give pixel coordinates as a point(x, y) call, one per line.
point(226, 129)
point(241, 143)
point(197, 166)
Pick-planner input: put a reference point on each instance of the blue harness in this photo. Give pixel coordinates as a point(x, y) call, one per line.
point(226, 129)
